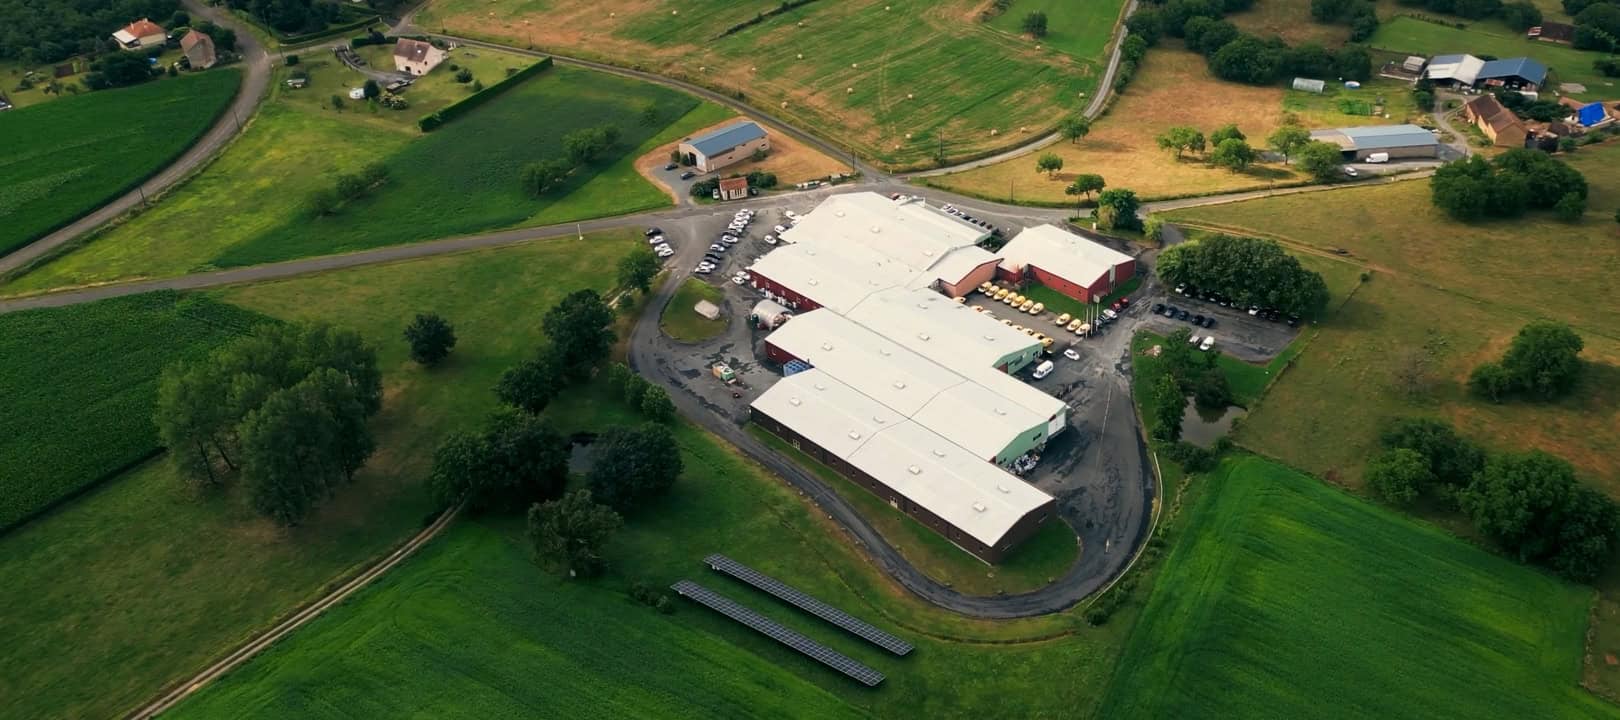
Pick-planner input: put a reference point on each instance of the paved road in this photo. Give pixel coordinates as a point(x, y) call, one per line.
point(256, 66)
point(1166, 205)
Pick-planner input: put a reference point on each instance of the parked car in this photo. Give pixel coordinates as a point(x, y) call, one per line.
point(653, 231)
point(1350, 171)
point(1209, 342)
point(1158, 308)
point(1044, 369)
point(1293, 320)
point(688, 175)
point(1209, 322)
point(718, 248)
point(780, 229)
point(671, 166)
point(1198, 320)
point(1181, 314)
point(1071, 354)
point(1170, 311)
point(1193, 339)
point(656, 240)
point(770, 239)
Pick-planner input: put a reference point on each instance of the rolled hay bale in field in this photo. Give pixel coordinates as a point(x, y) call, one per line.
point(854, 65)
point(849, 90)
point(994, 132)
point(784, 103)
point(801, 56)
point(910, 96)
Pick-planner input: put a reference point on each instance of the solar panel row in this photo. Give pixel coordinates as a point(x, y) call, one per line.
point(774, 630)
point(793, 596)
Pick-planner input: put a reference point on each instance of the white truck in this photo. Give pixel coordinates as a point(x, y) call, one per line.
point(1044, 369)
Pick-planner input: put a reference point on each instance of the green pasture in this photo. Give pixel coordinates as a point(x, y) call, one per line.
point(1081, 29)
point(79, 383)
point(142, 557)
point(1564, 63)
point(464, 178)
point(681, 322)
point(84, 150)
point(1285, 597)
point(1339, 106)
point(327, 76)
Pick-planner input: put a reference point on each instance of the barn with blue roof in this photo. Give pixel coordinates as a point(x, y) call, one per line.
point(731, 144)
point(1520, 73)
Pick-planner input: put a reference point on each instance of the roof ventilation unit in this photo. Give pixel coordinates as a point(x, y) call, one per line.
point(853, 435)
point(979, 507)
point(899, 385)
point(914, 470)
point(826, 346)
point(794, 402)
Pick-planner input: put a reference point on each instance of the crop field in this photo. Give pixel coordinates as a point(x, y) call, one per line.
point(1284, 597)
point(1082, 29)
point(1436, 303)
point(947, 82)
point(85, 150)
point(1173, 88)
point(464, 177)
point(1566, 64)
point(532, 639)
point(1033, 564)
point(203, 571)
point(79, 384)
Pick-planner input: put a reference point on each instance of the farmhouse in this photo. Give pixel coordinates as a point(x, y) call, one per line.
point(199, 50)
point(141, 35)
point(854, 245)
point(726, 146)
point(416, 57)
point(1552, 32)
point(1399, 141)
point(1065, 262)
point(733, 188)
point(1497, 122)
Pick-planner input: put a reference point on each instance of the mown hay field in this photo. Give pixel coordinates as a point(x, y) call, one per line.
point(68, 157)
point(896, 80)
point(1284, 597)
point(79, 384)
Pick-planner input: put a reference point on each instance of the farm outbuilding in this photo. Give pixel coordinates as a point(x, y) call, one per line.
point(1497, 122)
point(1309, 85)
point(729, 145)
point(199, 50)
point(1552, 32)
point(1454, 70)
point(1066, 262)
point(1398, 141)
point(708, 310)
point(733, 188)
point(1523, 74)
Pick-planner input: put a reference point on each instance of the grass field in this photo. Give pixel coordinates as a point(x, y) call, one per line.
point(460, 179)
point(79, 384)
point(1291, 21)
point(84, 150)
point(1173, 87)
point(142, 558)
point(681, 322)
point(1436, 300)
point(1033, 564)
point(840, 67)
point(463, 179)
point(1566, 64)
point(1339, 106)
point(1077, 28)
point(1284, 597)
point(327, 76)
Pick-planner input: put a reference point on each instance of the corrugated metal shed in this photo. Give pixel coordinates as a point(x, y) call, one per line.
point(727, 137)
point(1309, 85)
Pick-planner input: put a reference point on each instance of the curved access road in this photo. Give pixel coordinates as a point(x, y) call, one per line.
point(255, 79)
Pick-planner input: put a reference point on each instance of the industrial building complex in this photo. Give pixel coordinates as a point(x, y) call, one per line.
point(897, 385)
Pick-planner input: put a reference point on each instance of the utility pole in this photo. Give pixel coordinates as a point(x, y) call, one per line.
point(578, 231)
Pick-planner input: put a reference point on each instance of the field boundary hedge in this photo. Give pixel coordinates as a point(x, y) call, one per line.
point(140, 180)
point(787, 5)
point(432, 122)
point(286, 39)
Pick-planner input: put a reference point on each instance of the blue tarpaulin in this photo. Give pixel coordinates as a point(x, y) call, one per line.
point(1591, 114)
point(794, 367)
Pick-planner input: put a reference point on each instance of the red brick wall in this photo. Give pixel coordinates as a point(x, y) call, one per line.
point(974, 279)
point(796, 302)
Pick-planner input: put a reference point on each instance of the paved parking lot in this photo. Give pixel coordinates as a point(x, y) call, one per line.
point(1236, 332)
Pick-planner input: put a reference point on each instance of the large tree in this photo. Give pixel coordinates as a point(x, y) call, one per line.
point(301, 443)
point(1532, 506)
point(572, 531)
point(1322, 160)
point(529, 385)
point(1085, 184)
point(1233, 154)
point(516, 460)
point(637, 269)
point(1074, 127)
point(1181, 139)
point(1252, 271)
point(1116, 209)
point(632, 465)
point(431, 338)
point(1452, 459)
point(1543, 363)
point(1169, 404)
point(1049, 163)
point(1288, 139)
point(1399, 475)
point(580, 329)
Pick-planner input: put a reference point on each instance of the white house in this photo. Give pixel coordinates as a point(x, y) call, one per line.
point(415, 57)
point(141, 35)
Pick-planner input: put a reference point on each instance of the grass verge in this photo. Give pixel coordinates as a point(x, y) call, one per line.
point(681, 322)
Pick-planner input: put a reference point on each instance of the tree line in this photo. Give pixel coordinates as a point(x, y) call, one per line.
point(50, 31)
point(348, 187)
point(580, 147)
point(1251, 271)
point(1529, 504)
point(1233, 55)
point(1515, 181)
point(282, 410)
point(290, 16)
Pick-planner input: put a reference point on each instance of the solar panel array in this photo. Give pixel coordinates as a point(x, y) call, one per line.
point(774, 630)
point(792, 596)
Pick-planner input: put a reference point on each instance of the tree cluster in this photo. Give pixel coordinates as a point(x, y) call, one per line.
point(348, 187)
point(118, 69)
point(1184, 372)
point(637, 270)
point(579, 334)
point(1249, 270)
point(38, 32)
point(1471, 9)
point(1360, 15)
point(572, 531)
point(284, 408)
point(1515, 181)
point(516, 460)
point(1233, 55)
point(1542, 110)
point(1530, 504)
point(1543, 364)
point(225, 38)
point(290, 16)
point(631, 465)
point(580, 147)
point(1597, 25)
point(1034, 25)
point(650, 400)
point(1117, 208)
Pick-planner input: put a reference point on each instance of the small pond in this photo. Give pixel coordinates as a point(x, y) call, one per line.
point(1203, 426)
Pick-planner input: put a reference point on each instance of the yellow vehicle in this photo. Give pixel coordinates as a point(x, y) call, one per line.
point(1073, 325)
point(961, 301)
point(978, 308)
point(1019, 328)
point(1006, 322)
point(1085, 328)
point(1047, 342)
point(1063, 319)
point(1026, 305)
point(1029, 331)
point(1038, 309)
point(987, 287)
point(1040, 336)
point(1001, 294)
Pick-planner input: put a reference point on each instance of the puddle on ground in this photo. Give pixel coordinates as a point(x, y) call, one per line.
point(1202, 427)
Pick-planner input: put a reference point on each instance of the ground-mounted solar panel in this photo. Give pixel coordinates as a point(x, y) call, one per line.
point(792, 596)
point(776, 631)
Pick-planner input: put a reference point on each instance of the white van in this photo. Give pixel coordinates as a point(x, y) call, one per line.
point(1375, 158)
point(1044, 369)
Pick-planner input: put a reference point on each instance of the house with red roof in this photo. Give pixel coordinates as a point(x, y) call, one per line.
point(143, 34)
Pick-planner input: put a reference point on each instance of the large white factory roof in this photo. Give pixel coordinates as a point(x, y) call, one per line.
point(938, 475)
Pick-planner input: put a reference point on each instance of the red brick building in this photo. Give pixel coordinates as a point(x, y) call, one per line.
point(1066, 262)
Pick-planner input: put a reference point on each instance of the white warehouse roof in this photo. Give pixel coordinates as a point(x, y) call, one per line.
point(1062, 253)
point(976, 497)
point(1460, 68)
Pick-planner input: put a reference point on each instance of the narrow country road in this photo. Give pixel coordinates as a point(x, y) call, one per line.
point(255, 79)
